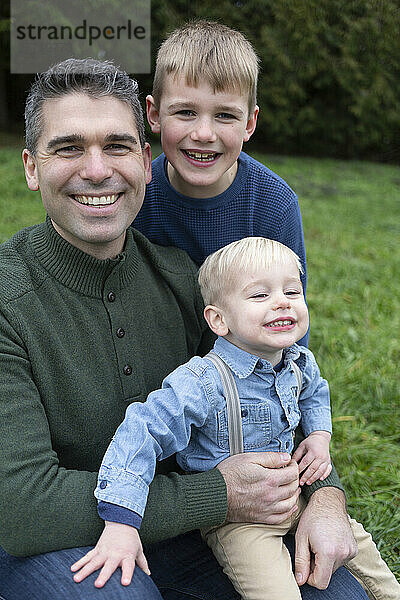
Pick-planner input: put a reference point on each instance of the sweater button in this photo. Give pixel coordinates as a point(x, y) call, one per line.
point(103, 484)
point(244, 412)
point(120, 332)
point(127, 370)
point(111, 296)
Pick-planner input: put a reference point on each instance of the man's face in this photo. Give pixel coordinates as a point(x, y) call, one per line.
point(90, 169)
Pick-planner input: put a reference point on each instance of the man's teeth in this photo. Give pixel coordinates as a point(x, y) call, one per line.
point(280, 323)
point(204, 156)
point(97, 200)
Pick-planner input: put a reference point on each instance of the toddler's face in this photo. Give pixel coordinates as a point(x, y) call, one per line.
point(202, 133)
point(265, 311)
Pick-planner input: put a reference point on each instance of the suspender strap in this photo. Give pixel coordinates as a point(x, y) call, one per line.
point(299, 377)
point(232, 404)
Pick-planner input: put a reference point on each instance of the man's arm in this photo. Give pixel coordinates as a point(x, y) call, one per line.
point(324, 540)
point(45, 506)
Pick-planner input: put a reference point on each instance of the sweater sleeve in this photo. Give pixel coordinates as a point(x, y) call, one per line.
point(47, 507)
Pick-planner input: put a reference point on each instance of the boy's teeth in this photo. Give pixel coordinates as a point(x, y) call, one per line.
point(279, 323)
point(205, 156)
point(96, 200)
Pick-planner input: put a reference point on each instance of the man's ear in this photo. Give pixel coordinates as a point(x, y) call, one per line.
point(153, 115)
point(215, 319)
point(31, 174)
point(251, 124)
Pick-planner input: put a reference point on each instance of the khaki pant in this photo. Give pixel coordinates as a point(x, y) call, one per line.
point(257, 562)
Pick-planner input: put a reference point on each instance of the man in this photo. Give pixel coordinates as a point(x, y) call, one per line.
point(92, 317)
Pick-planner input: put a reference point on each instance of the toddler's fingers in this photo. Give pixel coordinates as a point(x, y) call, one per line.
point(127, 567)
point(93, 565)
point(82, 561)
point(327, 472)
point(299, 452)
point(142, 562)
point(315, 474)
point(108, 569)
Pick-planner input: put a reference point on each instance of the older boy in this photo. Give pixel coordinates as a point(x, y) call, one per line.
point(255, 304)
point(205, 192)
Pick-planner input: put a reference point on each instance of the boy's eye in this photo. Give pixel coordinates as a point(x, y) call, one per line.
point(226, 116)
point(260, 295)
point(185, 113)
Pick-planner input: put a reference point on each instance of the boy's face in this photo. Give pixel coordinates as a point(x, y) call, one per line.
point(202, 134)
point(265, 311)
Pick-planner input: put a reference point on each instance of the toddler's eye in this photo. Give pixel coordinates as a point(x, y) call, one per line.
point(293, 293)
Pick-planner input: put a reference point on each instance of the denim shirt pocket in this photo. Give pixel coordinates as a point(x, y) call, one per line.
point(256, 425)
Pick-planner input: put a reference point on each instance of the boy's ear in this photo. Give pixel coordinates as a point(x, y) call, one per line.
point(215, 319)
point(31, 174)
point(251, 124)
point(153, 115)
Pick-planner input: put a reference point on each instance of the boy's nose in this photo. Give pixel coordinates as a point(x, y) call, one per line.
point(203, 131)
point(96, 166)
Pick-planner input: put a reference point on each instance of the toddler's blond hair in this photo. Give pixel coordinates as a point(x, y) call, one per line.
point(217, 274)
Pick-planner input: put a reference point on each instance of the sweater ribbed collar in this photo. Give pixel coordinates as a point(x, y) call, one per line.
point(80, 271)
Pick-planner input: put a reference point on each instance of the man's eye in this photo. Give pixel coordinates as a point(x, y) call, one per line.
point(117, 149)
point(68, 151)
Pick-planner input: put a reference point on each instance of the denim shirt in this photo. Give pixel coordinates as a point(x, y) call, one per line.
point(188, 416)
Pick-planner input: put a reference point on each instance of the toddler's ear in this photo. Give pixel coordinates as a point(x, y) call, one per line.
point(215, 319)
point(153, 115)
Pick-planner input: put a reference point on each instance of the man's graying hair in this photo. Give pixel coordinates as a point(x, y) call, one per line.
point(89, 76)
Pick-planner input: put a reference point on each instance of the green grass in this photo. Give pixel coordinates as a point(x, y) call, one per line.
point(351, 215)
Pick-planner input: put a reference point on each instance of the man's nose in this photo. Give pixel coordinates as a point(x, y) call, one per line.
point(96, 166)
point(203, 130)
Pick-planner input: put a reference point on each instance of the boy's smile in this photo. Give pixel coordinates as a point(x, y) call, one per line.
point(265, 311)
point(202, 134)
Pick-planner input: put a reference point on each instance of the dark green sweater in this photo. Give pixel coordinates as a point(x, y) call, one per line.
point(80, 339)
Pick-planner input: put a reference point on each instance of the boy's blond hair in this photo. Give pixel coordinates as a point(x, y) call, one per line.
point(217, 273)
point(207, 50)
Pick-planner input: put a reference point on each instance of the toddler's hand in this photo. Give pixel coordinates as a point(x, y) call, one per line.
point(118, 546)
point(312, 454)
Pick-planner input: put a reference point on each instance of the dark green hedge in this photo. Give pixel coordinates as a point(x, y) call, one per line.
point(330, 80)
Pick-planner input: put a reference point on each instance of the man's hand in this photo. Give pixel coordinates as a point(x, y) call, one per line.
point(324, 540)
point(312, 454)
point(262, 487)
point(118, 546)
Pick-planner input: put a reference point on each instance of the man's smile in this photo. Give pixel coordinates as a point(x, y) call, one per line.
point(104, 200)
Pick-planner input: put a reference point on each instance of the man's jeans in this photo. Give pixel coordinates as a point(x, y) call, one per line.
point(184, 569)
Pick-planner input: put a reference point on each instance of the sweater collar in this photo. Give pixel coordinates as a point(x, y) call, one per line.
point(80, 271)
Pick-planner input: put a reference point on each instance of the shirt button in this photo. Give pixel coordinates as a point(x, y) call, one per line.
point(103, 484)
point(111, 296)
point(120, 332)
point(127, 370)
point(244, 412)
